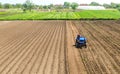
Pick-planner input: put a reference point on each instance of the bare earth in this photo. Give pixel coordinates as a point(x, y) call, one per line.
point(47, 47)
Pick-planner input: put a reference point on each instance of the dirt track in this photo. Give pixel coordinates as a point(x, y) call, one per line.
point(47, 47)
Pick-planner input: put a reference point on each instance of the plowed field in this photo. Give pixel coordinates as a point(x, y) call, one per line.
point(47, 47)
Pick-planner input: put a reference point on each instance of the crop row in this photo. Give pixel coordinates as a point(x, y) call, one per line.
point(88, 14)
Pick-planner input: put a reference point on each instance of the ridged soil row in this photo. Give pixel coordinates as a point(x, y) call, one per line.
point(15, 65)
point(102, 53)
point(18, 37)
point(102, 46)
point(28, 61)
point(8, 48)
point(17, 33)
point(111, 27)
point(55, 47)
point(36, 61)
point(9, 29)
point(58, 62)
point(47, 58)
point(62, 69)
point(92, 64)
point(111, 36)
point(86, 54)
point(31, 68)
point(114, 30)
point(29, 64)
point(16, 50)
point(112, 50)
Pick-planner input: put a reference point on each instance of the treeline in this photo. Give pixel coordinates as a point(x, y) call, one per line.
point(112, 5)
point(7, 6)
point(28, 5)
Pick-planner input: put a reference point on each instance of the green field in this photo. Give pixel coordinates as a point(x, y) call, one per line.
point(84, 14)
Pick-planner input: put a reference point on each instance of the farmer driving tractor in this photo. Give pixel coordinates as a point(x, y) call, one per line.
point(80, 41)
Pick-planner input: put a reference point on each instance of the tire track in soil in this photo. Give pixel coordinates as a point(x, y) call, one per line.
point(74, 61)
point(46, 47)
point(100, 44)
point(91, 49)
point(109, 28)
point(109, 48)
point(111, 37)
point(92, 71)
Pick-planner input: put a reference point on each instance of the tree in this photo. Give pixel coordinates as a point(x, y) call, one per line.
point(74, 6)
point(113, 5)
point(40, 7)
point(58, 7)
point(28, 5)
point(118, 7)
point(36, 7)
point(94, 4)
point(107, 5)
point(18, 5)
point(0, 5)
point(45, 7)
point(66, 5)
point(50, 6)
point(7, 6)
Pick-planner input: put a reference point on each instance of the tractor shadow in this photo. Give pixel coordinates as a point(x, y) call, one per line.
point(79, 47)
point(73, 45)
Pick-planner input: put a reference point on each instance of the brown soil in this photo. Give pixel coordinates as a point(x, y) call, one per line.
point(47, 47)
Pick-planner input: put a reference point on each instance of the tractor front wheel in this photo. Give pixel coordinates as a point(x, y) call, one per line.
point(77, 45)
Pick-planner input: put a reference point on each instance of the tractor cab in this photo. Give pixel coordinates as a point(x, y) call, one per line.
point(80, 42)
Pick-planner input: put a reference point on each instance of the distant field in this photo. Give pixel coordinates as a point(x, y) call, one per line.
point(84, 14)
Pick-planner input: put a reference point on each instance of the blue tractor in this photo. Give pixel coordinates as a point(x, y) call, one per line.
point(80, 42)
